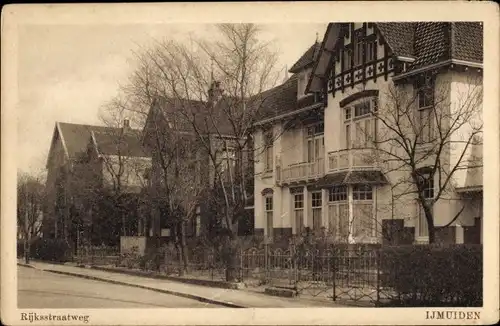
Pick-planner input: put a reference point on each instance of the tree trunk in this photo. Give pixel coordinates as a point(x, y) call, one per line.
point(430, 223)
point(232, 258)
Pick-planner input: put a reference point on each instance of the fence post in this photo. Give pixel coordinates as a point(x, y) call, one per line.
point(334, 276)
point(241, 264)
point(378, 261)
point(266, 263)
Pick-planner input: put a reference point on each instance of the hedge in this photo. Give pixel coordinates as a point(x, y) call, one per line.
point(56, 250)
point(426, 275)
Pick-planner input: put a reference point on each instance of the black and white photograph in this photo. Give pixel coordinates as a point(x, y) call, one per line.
point(341, 164)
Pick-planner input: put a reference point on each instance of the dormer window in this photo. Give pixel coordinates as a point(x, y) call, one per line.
point(303, 80)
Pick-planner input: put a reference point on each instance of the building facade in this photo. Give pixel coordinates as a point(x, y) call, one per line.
point(336, 151)
point(86, 166)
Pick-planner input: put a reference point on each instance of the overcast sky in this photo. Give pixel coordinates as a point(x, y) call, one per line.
point(66, 72)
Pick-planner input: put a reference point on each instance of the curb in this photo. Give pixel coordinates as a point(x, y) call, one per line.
point(179, 294)
point(208, 283)
point(26, 265)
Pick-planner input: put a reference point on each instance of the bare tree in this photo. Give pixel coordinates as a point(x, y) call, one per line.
point(426, 132)
point(30, 201)
point(214, 89)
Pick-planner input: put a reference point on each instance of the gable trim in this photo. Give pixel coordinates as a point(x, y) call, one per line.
point(63, 141)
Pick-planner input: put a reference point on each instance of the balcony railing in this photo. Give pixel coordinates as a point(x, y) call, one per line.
point(353, 159)
point(302, 171)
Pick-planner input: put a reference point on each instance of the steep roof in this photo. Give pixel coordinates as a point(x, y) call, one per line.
point(307, 58)
point(467, 42)
point(400, 36)
point(278, 100)
point(186, 114)
point(75, 138)
point(116, 141)
point(426, 42)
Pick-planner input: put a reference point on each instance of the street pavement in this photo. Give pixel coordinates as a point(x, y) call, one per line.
point(40, 289)
point(219, 297)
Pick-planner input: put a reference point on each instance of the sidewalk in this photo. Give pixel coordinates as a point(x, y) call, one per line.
point(225, 297)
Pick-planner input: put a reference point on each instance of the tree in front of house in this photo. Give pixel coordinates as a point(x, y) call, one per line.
point(426, 131)
point(30, 201)
point(212, 88)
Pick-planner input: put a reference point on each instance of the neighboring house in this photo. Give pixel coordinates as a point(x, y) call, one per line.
point(191, 119)
point(317, 169)
point(87, 167)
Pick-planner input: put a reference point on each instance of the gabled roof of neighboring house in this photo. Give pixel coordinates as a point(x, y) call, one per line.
point(75, 138)
point(277, 100)
point(307, 58)
point(186, 115)
point(119, 142)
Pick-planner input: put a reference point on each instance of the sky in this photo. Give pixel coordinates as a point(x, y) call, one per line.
point(67, 72)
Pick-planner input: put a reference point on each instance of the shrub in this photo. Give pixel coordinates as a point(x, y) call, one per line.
point(427, 275)
point(56, 250)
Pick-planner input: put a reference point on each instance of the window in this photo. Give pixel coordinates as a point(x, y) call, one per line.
point(316, 204)
point(425, 98)
point(362, 108)
point(425, 124)
point(268, 151)
point(315, 142)
point(347, 59)
point(337, 193)
point(370, 51)
point(269, 215)
point(426, 183)
point(347, 113)
point(298, 212)
point(362, 192)
point(358, 52)
point(364, 123)
point(227, 163)
point(303, 80)
point(348, 136)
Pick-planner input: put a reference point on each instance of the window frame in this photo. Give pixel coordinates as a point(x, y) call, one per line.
point(269, 214)
point(354, 117)
point(268, 150)
point(362, 192)
point(338, 193)
point(298, 210)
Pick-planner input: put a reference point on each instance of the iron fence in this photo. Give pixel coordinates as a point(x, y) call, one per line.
point(97, 255)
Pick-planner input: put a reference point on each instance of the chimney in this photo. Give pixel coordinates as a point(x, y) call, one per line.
point(126, 124)
point(215, 92)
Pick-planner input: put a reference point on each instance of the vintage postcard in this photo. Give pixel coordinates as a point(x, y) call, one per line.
point(302, 163)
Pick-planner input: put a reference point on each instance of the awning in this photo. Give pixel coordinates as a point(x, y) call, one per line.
point(366, 177)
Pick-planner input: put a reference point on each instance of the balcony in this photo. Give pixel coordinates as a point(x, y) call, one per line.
point(301, 172)
point(353, 159)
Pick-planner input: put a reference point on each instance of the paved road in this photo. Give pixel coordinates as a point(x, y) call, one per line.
point(39, 289)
